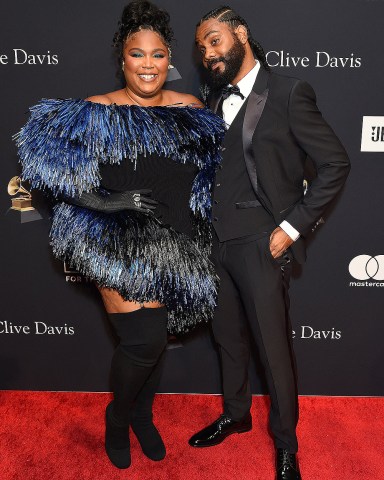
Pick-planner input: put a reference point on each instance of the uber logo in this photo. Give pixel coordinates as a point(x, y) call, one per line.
point(372, 134)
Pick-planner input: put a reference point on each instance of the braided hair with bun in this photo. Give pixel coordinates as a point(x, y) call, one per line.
point(142, 15)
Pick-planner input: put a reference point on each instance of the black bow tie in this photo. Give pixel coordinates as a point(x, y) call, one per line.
point(227, 91)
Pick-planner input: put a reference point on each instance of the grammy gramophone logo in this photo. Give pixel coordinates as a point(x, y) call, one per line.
point(22, 203)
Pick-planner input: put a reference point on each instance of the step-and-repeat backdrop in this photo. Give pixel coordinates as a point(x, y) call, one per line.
point(54, 333)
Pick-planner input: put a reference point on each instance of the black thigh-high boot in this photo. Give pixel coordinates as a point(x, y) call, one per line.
point(142, 416)
point(143, 337)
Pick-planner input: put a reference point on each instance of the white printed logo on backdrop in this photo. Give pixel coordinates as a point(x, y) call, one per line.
point(372, 134)
point(368, 269)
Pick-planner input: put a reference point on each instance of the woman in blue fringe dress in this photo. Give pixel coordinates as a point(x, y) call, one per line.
point(132, 170)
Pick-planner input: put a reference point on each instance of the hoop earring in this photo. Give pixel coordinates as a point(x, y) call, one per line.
point(122, 66)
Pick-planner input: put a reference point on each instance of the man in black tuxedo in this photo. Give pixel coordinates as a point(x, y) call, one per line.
point(261, 216)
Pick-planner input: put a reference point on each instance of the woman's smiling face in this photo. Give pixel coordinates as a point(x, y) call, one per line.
point(146, 60)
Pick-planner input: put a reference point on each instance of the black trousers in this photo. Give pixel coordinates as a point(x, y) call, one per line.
point(253, 300)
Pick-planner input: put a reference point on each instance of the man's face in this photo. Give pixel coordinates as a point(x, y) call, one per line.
point(222, 51)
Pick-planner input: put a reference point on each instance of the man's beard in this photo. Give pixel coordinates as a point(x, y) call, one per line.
point(232, 61)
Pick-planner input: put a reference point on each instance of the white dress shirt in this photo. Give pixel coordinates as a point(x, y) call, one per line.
point(232, 106)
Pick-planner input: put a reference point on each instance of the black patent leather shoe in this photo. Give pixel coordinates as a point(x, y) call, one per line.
point(220, 430)
point(287, 467)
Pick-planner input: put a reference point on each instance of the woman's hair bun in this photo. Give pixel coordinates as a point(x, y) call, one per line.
point(141, 15)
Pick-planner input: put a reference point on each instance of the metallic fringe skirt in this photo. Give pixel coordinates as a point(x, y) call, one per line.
point(144, 261)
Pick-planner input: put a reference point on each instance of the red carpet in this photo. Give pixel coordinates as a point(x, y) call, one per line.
point(51, 436)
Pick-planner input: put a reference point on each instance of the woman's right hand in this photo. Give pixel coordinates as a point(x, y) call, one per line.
point(138, 200)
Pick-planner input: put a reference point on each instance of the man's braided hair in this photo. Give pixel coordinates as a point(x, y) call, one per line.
point(226, 15)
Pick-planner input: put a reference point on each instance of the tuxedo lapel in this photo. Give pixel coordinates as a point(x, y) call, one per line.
point(261, 81)
point(214, 103)
point(255, 106)
point(253, 110)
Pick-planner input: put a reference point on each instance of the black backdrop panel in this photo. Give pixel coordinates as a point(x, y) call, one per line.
point(53, 332)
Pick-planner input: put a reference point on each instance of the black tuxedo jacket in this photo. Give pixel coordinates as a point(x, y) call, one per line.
point(282, 130)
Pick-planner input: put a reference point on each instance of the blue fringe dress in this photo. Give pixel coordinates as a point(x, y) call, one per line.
point(64, 147)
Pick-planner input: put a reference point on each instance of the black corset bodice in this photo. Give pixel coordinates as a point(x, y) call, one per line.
point(170, 182)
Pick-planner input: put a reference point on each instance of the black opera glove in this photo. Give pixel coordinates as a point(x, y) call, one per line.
point(137, 200)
